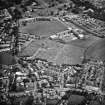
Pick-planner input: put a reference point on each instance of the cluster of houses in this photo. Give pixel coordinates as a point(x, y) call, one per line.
point(50, 81)
point(70, 32)
point(92, 25)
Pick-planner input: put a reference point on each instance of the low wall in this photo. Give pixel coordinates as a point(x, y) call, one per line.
point(32, 20)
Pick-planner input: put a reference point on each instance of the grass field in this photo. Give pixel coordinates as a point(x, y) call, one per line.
point(43, 28)
point(69, 53)
point(30, 49)
point(54, 52)
point(96, 50)
point(49, 48)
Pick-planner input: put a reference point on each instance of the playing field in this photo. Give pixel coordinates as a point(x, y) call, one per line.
point(47, 48)
point(54, 52)
point(44, 28)
point(69, 54)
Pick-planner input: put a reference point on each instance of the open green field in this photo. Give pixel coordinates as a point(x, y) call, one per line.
point(43, 28)
point(47, 48)
point(71, 53)
point(59, 53)
point(96, 50)
point(54, 52)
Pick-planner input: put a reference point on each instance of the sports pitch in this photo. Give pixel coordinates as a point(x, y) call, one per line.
point(44, 28)
point(54, 52)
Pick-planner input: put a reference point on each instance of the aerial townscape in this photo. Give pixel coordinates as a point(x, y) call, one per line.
point(52, 52)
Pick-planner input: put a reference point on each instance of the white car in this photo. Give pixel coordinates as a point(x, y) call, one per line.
point(81, 36)
point(53, 37)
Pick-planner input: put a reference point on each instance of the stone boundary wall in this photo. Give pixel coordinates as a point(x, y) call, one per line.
point(32, 20)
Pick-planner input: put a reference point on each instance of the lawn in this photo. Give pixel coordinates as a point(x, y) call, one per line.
point(49, 49)
point(54, 52)
point(66, 54)
point(44, 28)
point(30, 49)
point(70, 54)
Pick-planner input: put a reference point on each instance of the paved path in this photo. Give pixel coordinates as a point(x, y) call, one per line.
point(26, 44)
point(35, 54)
